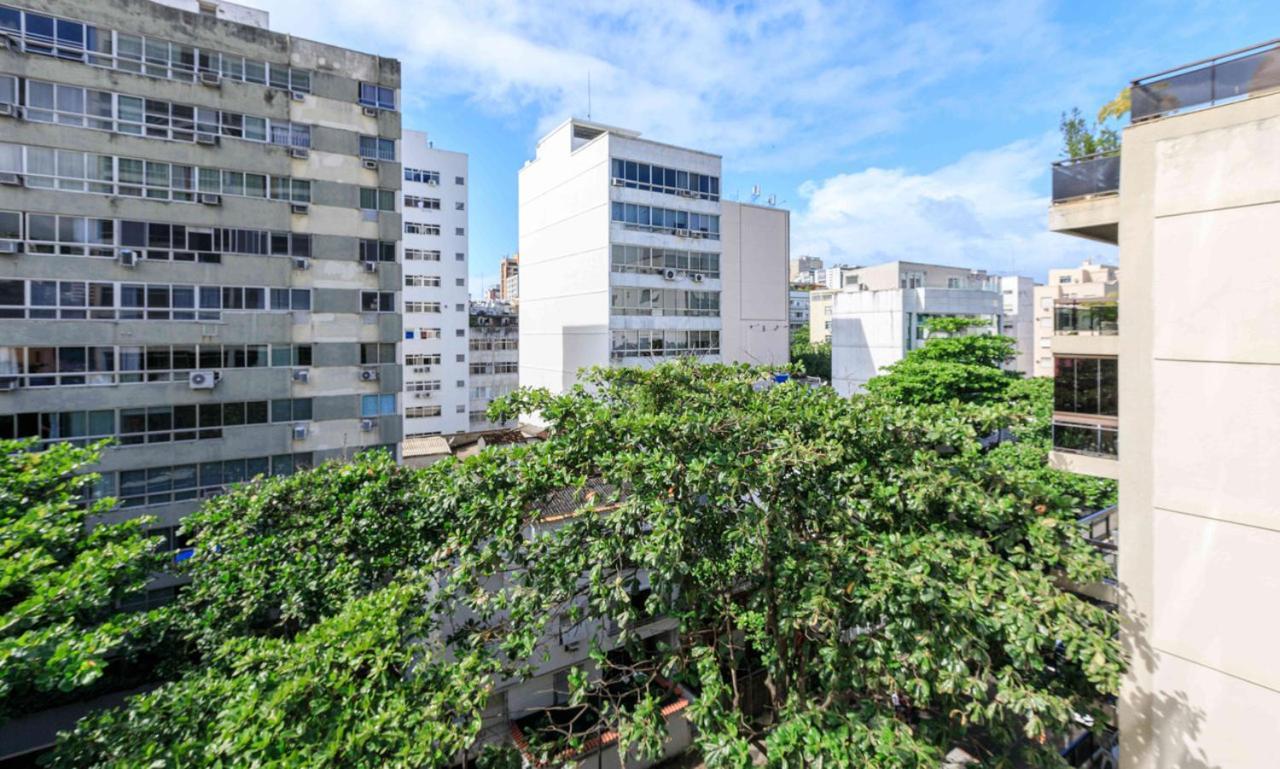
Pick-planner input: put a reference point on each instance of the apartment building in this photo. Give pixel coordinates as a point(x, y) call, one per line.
point(1182, 405)
point(185, 199)
point(494, 348)
point(798, 310)
point(628, 256)
point(882, 312)
point(805, 269)
point(434, 205)
point(1084, 297)
point(509, 278)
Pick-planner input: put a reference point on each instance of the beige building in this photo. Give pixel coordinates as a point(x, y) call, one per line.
point(1193, 201)
point(1086, 297)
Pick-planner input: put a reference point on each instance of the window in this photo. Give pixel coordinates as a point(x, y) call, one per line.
point(459, 206)
point(377, 251)
point(418, 228)
point(374, 199)
point(81, 300)
point(643, 176)
point(377, 148)
point(459, 256)
point(628, 300)
point(377, 301)
point(654, 343)
point(422, 281)
point(375, 353)
point(422, 176)
point(419, 255)
point(413, 201)
point(417, 412)
point(423, 386)
point(164, 485)
point(377, 96)
point(458, 180)
point(377, 405)
point(681, 223)
point(460, 282)
point(422, 359)
point(645, 260)
point(429, 307)
point(428, 333)
point(1086, 385)
point(459, 231)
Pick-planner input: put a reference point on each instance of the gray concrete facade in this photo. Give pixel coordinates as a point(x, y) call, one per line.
point(312, 85)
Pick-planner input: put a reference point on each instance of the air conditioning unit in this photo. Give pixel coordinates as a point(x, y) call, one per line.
point(370, 111)
point(210, 198)
point(8, 110)
point(681, 233)
point(302, 375)
point(210, 139)
point(301, 263)
point(127, 257)
point(299, 153)
point(422, 396)
point(8, 246)
point(697, 277)
point(370, 266)
point(202, 380)
point(299, 432)
point(297, 96)
point(211, 79)
point(370, 164)
point(11, 179)
point(422, 370)
point(300, 208)
point(369, 375)
point(668, 274)
point(618, 182)
point(8, 385)
point(367, 425)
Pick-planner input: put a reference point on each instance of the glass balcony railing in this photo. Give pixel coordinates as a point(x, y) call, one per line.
point(1090, 439)
point(1086, 317)
point(1083, 177)
point(1102, 530)
point(1207, 82)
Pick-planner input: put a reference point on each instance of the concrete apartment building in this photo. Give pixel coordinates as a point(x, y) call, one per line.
point(182, 272)
point(494, 349)
point(629, 256)
point(798, 310)
point(1187, 399)
point(509, 278)
point(805, 270)
point(881, 314)
point(434, 205)
point(1086, 298)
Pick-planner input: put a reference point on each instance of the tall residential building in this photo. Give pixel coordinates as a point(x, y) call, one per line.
point(1183, 405)
point(805, 269)
point(881, 314)
point(187, 201)
point(435, 289)
point(509, 278)
point(629, 256)
point(1085, 293)
point(494, 342)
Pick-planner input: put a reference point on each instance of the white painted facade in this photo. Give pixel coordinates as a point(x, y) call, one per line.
point(1018, 323)
point(872, 329)
point(577, 308)
point(434, 353)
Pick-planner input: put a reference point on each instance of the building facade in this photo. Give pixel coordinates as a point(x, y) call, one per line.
point(183, 244)
point(805, 270)
point(509, 278)
point(435, 289)
point(494, 352)
point(1084, 293)
point(628, 256)
point(1181, 404)
point(798, 310)
point(881, 313)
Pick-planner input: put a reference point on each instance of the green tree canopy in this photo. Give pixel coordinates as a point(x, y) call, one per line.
point(61, 582)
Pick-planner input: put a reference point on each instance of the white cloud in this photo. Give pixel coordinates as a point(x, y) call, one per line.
point(988, 210)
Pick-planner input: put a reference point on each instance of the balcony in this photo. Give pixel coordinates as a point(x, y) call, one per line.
point(1102, 530)
point(1236, 75)
point(1086, 327)
point(1086, 200)
point(1086, 447)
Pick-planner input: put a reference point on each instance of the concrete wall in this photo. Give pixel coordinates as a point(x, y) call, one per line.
point(754, 298)
point(1200, 522)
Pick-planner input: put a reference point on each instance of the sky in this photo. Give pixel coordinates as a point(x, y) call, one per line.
point(891, 130)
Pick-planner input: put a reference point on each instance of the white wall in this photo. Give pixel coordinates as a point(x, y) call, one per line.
point(1019, 320)
point(452, 321)
point(755, 293)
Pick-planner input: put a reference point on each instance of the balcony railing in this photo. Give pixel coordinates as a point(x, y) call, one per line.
point(1091, 439)
point(1085, 317)
point(1102, 530)
point(1207, 82)
point(1083, 177)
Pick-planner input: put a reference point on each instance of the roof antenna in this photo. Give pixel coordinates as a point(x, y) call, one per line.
point(588, 94)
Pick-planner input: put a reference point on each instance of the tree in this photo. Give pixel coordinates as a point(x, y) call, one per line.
point(900, 593)
point(813, 357)
point(62, 634)
point(954, 364)
point(1079, 139)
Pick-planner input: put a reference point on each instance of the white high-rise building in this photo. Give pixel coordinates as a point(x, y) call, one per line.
point(1019, 323)
point(628, 256)
point(434, 202)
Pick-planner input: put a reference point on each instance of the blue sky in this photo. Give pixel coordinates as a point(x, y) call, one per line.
point(913, 130)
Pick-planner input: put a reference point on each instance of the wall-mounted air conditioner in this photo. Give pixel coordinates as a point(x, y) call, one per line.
point(202, 380)
point(302, 375)
point(369, 375)
point(299, 432)
point(301, 263)
point(210, 199)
